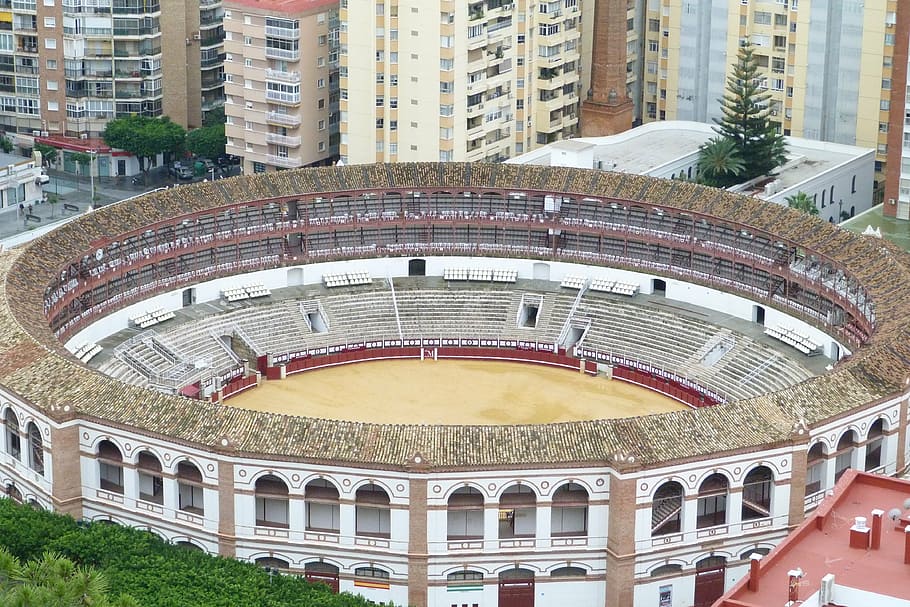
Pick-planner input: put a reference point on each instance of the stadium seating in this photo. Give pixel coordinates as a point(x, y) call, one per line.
point(794, 338)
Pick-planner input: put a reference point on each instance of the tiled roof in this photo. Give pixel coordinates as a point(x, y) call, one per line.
point(34, 364)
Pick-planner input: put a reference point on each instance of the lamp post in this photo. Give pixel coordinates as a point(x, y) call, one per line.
point(91, 174)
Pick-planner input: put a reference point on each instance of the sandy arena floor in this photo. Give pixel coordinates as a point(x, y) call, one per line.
point(452, 392)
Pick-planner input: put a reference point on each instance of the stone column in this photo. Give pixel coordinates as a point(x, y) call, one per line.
point(620, 590)
point(417, 542)
point(227, 538)
point(67, 471)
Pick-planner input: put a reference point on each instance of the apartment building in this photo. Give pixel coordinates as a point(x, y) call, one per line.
point(828, 64)
point(67, 67)
point(281, 82)
point(464, 81)
point(897, 184)
point(193, 39)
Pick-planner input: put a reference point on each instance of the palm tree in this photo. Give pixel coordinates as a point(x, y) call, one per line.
point(53, 581)
point(719, 163)
point(802, 202)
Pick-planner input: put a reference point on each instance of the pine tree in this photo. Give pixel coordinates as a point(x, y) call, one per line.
point(746, 119)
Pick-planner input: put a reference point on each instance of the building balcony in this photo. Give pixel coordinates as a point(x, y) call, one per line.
point(208, 84)
point(292, 77)
point(282, 53)
point(212, 60)
point(209, 3)
point(283, 119)
point(293, 142)
point(284, 161)
point(283, 98)
point(210, 104)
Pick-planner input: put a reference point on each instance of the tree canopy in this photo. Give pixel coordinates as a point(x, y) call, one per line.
point(153, 572)
point(144, 137)
point(208, 141)
point(746, 119)
point(48, 153)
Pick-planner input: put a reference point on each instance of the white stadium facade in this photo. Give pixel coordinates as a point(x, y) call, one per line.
point(603, 272)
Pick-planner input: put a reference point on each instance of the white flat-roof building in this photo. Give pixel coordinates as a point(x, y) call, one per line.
point(839, 177)
point(21, 181)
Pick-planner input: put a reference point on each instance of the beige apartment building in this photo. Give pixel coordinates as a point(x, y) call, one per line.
point(193, 44)
point(827, 64)
point(280, 71)
point(463, 81)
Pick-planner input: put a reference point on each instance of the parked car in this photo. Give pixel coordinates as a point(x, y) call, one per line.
point(180, 171)
point(228, 160)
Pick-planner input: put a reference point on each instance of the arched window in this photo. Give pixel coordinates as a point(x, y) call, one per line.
point(271, 502)
point(110, 467)
point(465, 580)
point(874, 439)
point(517, 512)
point(190, 494)
point(666, 510)
point(573, 572)
point(189, 546)
point(151, 486)
point(373, 573)
point(757, 493)
point(712, 501)
point(465, 514)
point(372, 513)
point(569, 513)
point(12, 492)
point(815, 468)
point(13, 444)
point(843, 459)
point(322, 506)
point(745, 556)
point(35, 449)
point(271, 563)
point(666, 570)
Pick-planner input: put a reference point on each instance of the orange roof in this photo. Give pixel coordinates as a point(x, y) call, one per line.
point(821, 545)
point(284, 6)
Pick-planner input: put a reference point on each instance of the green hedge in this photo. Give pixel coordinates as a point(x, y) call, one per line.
point(153, 572)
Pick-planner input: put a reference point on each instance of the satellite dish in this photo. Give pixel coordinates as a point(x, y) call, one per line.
point(99, 254)
point(894, 514)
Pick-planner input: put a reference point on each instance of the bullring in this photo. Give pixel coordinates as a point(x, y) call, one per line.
point(617, 475)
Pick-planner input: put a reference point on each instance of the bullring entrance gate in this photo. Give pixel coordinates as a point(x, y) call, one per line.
point(516, 588)
point(710, 574)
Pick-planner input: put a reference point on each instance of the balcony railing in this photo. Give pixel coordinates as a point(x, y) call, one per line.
point(292, 77)
point(284, 119)
point(281, 97)
point(282, 32)
point(284, 161)
point(282, 140)
point(282, 53)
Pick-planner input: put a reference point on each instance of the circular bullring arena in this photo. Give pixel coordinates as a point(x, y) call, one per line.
point(454, 384)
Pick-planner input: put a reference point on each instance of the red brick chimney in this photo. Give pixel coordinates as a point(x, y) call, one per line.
point(906, 545)
point(754, 572)
point(877, 528)
point(860, 534)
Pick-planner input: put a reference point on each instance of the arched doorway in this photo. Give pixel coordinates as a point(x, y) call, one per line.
point(541, 271)
point(417, 267)
point(324, 573)
point(516, 588)
point(710, 574)
point(295, 277)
